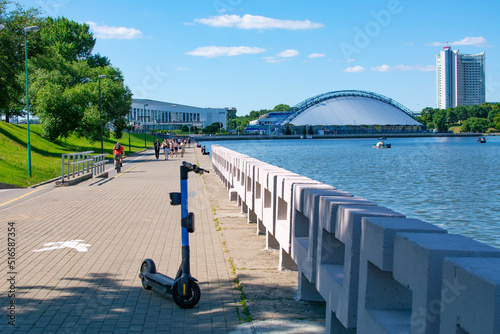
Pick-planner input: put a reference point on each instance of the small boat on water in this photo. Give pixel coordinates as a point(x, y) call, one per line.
point(481, 140)
point(382, 146)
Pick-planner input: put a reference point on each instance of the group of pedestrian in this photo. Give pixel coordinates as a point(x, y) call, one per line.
point(171, 147)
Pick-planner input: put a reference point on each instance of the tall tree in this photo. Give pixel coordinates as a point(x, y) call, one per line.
point(66, 86)
point(12, 63)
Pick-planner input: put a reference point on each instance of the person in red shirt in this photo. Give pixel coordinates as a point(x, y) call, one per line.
point(118, 152)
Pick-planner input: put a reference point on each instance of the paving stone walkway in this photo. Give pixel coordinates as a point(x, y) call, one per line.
point(78, 252)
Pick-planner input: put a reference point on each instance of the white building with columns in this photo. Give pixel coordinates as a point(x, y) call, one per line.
point(158, 115)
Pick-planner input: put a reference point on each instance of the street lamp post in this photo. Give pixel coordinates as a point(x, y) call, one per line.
point(144, 117)
point(129, 128)
point(100, 111)
point(26, 30)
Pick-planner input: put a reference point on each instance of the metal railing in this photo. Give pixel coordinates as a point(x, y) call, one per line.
point(98, 162)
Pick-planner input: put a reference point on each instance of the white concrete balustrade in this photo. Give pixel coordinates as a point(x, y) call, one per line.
point(376, 270)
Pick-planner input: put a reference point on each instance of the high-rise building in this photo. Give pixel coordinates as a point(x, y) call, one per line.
point(460, 79)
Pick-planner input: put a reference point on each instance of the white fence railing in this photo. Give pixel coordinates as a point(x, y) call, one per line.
point(377, 271)
point(81, 163)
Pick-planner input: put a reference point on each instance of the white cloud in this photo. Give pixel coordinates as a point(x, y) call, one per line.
point(475, 41)
point(107, 32)
point(219, 51)
point(288, 53)
point(248, 21)
point(316, 55)
point(350, 60)
point(354, 69)
point(404, 68)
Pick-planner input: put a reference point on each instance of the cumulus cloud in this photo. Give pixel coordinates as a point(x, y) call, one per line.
point(248, 21)
point(288, 53)
point(219, 51)
point(404, 68)
point(107, 32)
point(316, 55)
point(475, 41)
point(354, 69)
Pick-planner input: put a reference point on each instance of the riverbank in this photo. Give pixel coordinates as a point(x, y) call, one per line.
point(338, 136)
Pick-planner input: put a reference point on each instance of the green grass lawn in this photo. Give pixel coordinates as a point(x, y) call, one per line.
point(46, 155)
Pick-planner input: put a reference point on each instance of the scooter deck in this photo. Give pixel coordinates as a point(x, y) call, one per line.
point(159, 281)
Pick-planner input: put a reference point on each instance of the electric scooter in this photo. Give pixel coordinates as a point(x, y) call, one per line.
point(183, 288)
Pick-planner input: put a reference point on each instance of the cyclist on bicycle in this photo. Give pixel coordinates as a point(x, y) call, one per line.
point(118, 152)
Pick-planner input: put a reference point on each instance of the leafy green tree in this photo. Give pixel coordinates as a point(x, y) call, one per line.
point(15, 18)
point(496, 121)
point(281, 107)
point(439, 118)
point(477, 111)
point(475, 124)
point(451, 116)
point(66, 86)
point(462, 113)
point(72, 40)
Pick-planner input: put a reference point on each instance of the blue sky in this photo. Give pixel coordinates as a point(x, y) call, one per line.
point(255, 54)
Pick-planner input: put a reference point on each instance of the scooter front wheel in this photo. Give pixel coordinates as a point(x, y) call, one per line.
point(147, 267)
point(190, 299)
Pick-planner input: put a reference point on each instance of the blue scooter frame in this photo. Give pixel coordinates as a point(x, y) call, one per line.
point(183, 288)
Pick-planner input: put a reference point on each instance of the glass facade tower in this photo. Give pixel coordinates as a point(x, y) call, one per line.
point(460, 79)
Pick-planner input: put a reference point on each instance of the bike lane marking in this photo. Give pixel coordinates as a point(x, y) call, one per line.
point(17, 198)
point(133, 167)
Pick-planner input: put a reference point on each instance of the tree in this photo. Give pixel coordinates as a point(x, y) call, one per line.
point(439, 119)
point(475, 124)
point(12, 62)
point(281, 107)
point(451, 116)
point(66, 87)
point(72, 40)
point(477, 111)
point(462, 113)
point(496, 120)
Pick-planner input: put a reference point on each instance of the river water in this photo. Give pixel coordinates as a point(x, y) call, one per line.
point(453, 183)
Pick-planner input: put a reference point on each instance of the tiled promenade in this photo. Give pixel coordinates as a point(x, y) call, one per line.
point(90, 283)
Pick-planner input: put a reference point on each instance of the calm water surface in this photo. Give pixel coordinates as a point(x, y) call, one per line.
point(451, 182)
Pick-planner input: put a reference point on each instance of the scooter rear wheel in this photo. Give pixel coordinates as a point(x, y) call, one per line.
point(190, 299)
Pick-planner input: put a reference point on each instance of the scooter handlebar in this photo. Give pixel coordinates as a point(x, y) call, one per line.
point(194, 168)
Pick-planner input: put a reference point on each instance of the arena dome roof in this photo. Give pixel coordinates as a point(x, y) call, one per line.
point(350, 107)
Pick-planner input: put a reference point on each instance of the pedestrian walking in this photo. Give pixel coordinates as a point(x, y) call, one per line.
point(183, 148)
point(166, 148)
point(157, 149)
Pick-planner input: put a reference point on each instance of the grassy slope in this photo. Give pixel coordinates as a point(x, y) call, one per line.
point(45, 155)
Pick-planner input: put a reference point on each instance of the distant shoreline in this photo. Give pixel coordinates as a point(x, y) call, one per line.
point(339, 136)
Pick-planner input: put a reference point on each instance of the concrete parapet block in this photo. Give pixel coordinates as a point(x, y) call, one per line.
point(233, 195)
point(285, 261)
point(383, 303)
point(305, 225)
point(261, 186)
point(331, 251)
point(418, 266)
point(270, 195)
point(344, 276)
point(307, 290)
point(284, 206)
point(271, 242)
point(470, 296)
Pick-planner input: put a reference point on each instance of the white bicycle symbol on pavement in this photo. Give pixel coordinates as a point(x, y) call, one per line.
point(76, 244)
